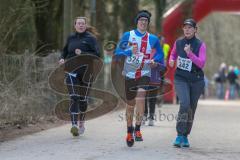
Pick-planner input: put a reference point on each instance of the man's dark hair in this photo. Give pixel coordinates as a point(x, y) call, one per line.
point(143, 13)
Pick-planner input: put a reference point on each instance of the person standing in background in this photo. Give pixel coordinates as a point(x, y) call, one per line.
point(220, 79)
point(151, 101)
point(232, 81)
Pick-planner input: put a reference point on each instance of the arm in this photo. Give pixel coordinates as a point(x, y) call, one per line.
point(173, 55)
point(65, 50)
point(201, 59)
point(159, 55)
point(64, 53)
point(122, 47)
point(94, 46)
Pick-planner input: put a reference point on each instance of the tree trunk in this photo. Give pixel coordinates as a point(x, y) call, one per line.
point(128, 13)
point(160, 6)
point(66, 19)
point(101, 21)
point(48, 25)
point(113, 34)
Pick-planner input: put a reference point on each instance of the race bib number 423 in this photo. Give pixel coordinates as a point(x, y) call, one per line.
point(184, 64)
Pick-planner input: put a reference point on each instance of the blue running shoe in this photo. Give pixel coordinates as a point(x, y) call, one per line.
point(185, 142)
point(178, 142)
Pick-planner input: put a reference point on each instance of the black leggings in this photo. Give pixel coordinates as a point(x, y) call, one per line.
point(151, 104)
point(78, 92)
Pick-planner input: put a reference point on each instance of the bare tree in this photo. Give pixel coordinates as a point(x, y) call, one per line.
point(128, 13)
point(159, 9)
point(66, 19)
point(102, 20)
point(15, 26)
point(115, 20)
point(48, 23)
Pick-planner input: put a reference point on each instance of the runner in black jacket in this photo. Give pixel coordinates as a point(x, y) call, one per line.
point(80, 42)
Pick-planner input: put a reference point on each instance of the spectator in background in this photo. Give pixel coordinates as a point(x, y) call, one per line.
point(165, 47)
point(205, 91)
point(237, 72)
point(150, 103)
point(220, 79)
point(232, 80)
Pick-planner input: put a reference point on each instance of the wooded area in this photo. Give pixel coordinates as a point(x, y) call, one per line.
point(43, 25)
point(32, 34)
point(31, 39)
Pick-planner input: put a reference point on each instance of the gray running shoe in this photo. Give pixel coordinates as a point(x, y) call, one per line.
point(151, 122)
point(81, 127)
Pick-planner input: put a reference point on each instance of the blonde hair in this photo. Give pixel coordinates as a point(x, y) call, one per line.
point(90, 29)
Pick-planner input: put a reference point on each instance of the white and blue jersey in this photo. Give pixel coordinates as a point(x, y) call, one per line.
point(148, 48)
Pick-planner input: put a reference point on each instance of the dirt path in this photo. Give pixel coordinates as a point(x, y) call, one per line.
point(215, 136)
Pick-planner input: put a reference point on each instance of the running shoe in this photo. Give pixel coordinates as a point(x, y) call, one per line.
point(144, 120)
point(130, 140)
point(178, 141)
point(151, 122)
point(74, 131)
point(81, 127)
point(138, 136)
point(185, 142)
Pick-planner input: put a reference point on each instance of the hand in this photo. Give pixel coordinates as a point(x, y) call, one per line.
point(171, 63)
point(134, 49)
point(153, 64)
point(187, 48)
point(61, 61)
point(78, 51)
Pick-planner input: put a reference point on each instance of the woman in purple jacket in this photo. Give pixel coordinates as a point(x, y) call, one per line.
point(190, 53)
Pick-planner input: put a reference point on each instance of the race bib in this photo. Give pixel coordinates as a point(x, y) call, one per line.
point(184, 64)
point(135, 60)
